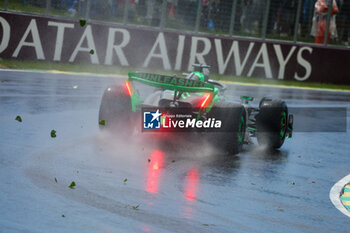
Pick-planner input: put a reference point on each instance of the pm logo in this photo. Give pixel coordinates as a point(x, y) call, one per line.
point(151, 120)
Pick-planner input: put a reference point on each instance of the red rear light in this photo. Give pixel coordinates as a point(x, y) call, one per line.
point(205, 101)
point(128, 88)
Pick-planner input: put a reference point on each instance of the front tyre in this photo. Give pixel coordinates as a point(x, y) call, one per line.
point(272, 123)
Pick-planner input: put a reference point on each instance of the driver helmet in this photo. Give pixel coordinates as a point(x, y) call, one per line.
point(196, 76)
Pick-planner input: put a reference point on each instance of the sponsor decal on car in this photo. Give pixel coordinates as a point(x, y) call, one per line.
point(171, 80)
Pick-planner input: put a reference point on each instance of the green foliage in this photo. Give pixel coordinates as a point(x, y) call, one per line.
point(102, 122)
point(136, 207)
point(18, 118)
point(72, 185)
point(82, 22)
point(53, 133)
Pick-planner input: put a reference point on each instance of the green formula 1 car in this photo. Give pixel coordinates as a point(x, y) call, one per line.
point(225, 124)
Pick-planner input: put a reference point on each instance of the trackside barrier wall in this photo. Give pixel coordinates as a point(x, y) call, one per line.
point(54, 39)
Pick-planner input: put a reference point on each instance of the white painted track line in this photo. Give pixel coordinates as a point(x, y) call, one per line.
point(335, 192)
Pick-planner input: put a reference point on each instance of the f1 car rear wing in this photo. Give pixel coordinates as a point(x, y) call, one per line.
point(171, 82)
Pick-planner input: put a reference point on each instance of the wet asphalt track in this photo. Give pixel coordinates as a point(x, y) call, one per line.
point(193, 190)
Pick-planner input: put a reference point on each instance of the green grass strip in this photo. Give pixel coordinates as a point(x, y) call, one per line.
point(347, 207)
point(22, 6)
point(345, 198)
point(114, 70)
point(346, 190)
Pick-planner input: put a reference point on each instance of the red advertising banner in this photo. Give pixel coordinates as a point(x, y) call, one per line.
point(54, 39)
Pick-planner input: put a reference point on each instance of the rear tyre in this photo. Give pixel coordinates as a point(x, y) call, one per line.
point(233, 118)
point(115, 110)
point(272, 123)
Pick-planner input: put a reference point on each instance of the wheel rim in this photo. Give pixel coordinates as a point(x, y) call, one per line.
point(241, 130)
point(283, 125)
